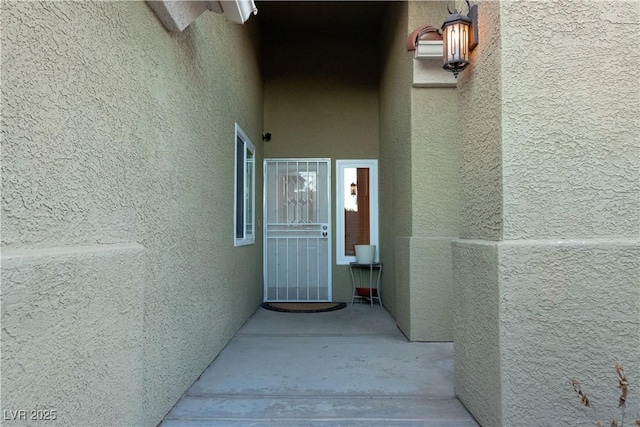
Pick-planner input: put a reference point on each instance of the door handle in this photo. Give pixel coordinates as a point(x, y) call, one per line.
point(325, 234)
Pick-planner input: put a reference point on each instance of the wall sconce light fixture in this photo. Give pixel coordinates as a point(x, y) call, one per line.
point(460, 37)
point(354, 188)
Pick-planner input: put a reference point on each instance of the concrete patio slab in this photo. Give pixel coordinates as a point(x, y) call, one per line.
point(351, 367)
point(320, 423)
point(358, 319)
point(302, 365)
point(346, 409)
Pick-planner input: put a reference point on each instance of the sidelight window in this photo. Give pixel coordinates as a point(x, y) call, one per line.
point(357, 207)
point(245, 184)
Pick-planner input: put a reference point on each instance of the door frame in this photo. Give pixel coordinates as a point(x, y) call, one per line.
point(329, 185)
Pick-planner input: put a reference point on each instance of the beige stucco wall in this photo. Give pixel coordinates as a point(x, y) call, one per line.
point(565, 302)
point(480, 102)
point(419, 181)
point(395, 161)
point(476, 289)
point(568, 309)
point(321, 101)
point(577, 130)
point(435, 158)
point(120, 282)
point(477, 357)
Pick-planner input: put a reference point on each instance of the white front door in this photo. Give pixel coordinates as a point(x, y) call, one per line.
point(297, 230)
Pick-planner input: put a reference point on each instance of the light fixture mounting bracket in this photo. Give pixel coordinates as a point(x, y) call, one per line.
point(473, 16)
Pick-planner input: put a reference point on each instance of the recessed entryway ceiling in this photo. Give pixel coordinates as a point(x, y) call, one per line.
point(279, 18)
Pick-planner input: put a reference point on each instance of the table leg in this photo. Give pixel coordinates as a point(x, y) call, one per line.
point(378, 284)
point(371, 284)
point(353, 284)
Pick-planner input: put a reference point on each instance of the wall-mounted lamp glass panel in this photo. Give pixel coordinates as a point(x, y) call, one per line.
point(357, 207)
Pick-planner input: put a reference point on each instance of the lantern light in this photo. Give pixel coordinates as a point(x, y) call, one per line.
point(460, 37)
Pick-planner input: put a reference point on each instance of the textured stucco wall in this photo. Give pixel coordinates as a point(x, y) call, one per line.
point(563, 185)
point(476, 287)
point(402, 284)
point(431, 281)
point(419, 180)
point(116, 132)
point(530, 315)
point(435, 167)
point(571, 158)
point(480, 102)
point(321, 96)
point(72, 333)
point(476, 340)
point(426, 12)
point(435, 162)
point(570, 309)
point(395, 153)
point(572, 131)
point(321, 101)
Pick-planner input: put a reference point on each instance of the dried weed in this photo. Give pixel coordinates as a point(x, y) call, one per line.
point(623, 385)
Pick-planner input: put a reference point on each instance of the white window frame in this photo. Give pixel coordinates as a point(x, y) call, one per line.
point(341, 165)
point(240, 195)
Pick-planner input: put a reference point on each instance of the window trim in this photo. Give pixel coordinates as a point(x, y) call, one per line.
point(341, 165)
point(250, 237)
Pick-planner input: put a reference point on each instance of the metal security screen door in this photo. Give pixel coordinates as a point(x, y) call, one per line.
point(297, 227)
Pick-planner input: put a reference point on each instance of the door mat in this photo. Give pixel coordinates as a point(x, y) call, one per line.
point(303, 307)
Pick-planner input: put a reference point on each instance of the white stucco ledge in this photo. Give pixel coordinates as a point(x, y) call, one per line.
point(553, 242)
point(178, 15)
point(428, 72)
point(575, 243)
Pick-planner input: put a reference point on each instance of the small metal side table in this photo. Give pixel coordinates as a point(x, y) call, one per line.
point(371, 292)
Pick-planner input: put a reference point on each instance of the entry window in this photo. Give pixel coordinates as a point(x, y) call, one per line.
point(245, 184)
point(357, 207)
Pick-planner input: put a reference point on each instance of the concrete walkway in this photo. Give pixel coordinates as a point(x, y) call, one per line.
point(350, 367)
